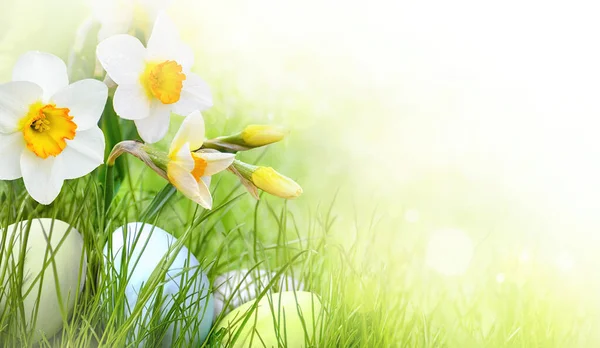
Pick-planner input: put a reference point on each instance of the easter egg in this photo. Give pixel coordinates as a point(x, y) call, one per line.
point(54, 257)
point(289, 283)
point(144, 246)
point(280, 319)
point(234, 288)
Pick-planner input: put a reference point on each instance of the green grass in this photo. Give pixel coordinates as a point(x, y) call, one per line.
point(367, 265)
point(369, 299)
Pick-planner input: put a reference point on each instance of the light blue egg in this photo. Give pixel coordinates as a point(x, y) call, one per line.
point(152, 244)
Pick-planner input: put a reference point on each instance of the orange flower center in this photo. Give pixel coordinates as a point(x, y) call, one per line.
point(163, 81)
point(45, 129)
point(199, 166)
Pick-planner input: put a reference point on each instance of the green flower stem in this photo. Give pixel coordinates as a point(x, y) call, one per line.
point(108, 187)
point(153, 158)
point(158, 158)
point(228, 144)
point(244, 169)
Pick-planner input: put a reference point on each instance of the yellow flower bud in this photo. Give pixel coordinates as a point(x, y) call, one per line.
point(268, 180)
point(260, 135)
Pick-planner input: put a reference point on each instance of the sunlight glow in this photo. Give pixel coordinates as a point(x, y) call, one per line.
point(565, 262)
point(412, 216)
point(449, 251)
point(524, 257)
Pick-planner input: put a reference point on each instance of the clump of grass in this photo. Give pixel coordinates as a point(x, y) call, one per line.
point(372, 296)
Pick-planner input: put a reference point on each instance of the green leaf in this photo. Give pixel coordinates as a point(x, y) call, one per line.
point(161, 199)
point(112, 178)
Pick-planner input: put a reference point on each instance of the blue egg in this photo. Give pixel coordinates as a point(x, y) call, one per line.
point(143, 257)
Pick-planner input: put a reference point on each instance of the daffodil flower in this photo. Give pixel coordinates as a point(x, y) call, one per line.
point(122, 16)
point(190, 171)
point(153, 81)
point(48, 128)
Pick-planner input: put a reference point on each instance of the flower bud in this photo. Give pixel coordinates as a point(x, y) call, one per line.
point(269, 180)
point(261, 135)
point(251, 137)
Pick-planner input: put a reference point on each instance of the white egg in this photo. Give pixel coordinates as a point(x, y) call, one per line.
point(146, 245)
point(67, 268)
point(241, 286)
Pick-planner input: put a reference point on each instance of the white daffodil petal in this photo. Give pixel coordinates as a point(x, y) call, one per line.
point(79, 44)
point(131, 102)
point(44, 69)
point(183, 158)
point(183, 180)
point(82, 154)
point(41, 177)
point(195, 95)
point(123, 58)
point(216, 161)
point(191, 131)
point(204, 192)
point(112, 10)
point(113, 27)
point(15, 98)
point(206, 180)
point(11, 147)
point(154, 7)
point(165, 44)
point(154, 127)
point(115, 16)
point(85, 100)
